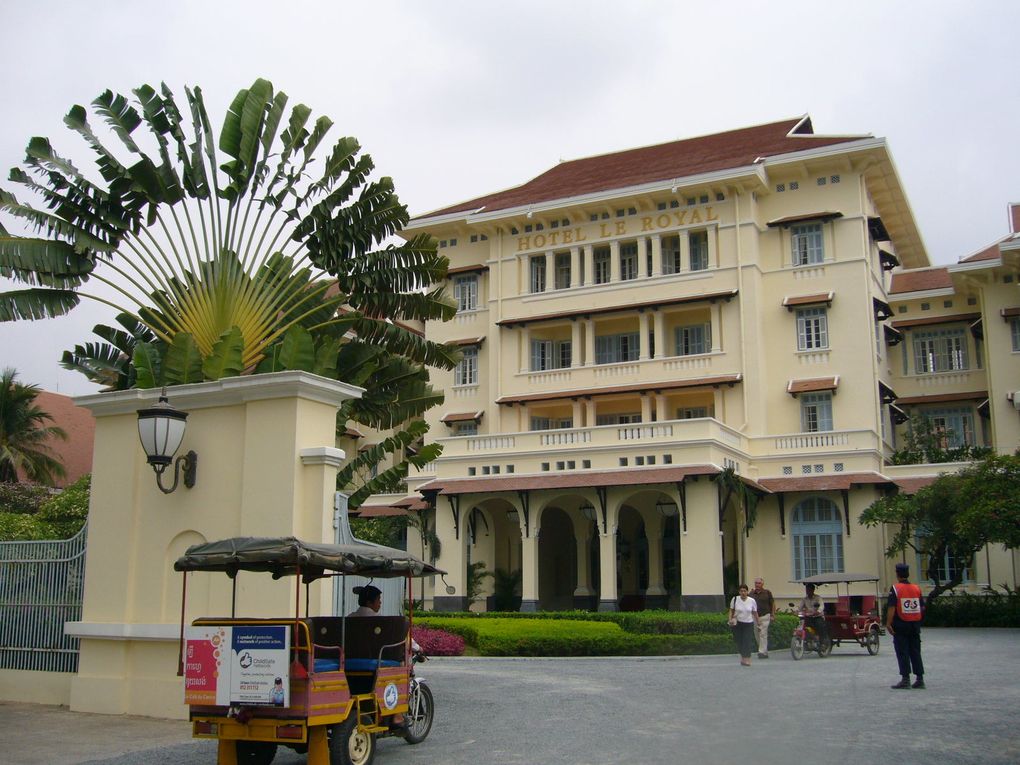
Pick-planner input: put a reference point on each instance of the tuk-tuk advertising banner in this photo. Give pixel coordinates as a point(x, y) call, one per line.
point(206, 677)
point(237, 665)
point(260, 658)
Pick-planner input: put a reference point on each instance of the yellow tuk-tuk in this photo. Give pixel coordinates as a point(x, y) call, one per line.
point(325, 685)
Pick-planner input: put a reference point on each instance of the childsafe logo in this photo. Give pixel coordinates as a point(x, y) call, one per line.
point(390, 696)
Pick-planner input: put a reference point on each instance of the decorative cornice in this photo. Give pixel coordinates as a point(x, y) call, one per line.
point(229, 391)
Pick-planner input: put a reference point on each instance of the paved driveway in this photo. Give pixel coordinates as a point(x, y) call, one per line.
point(702, 710)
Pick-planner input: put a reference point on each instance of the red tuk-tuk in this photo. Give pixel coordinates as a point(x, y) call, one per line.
point(325, 685)
point(854, 618)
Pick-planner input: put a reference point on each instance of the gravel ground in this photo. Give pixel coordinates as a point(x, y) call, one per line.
point(704, 710)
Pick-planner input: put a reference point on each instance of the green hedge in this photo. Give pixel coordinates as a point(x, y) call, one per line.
point(993, 609)
point(582, 633)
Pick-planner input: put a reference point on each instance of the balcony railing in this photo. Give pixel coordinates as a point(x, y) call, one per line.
point(645, 370)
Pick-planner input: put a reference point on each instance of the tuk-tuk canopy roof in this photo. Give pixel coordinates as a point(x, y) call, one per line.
point(283, 556)
point(836, 578)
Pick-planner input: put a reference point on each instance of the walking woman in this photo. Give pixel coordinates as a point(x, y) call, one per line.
point(744, 620)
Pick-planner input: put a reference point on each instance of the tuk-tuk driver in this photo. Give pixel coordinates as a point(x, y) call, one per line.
point(369, 601)
point(814, 611)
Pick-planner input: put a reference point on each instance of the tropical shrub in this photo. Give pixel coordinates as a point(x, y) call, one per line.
point(435, 642)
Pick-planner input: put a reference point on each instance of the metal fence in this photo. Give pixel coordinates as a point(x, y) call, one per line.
point(41, 586)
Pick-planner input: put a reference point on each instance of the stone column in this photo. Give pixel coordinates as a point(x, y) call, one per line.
point(575, 344)
point(589, 265)
point(589, 342)
point(614, 261)
point(525, 335)
point(550, 271)
point(713, 246)
point(646, 408)
point(583, 593)
point(589, 413)
point(685, 251)
point(659, 327)
point(642, 257)
point(575, 266)
point(645, 351)
point(701, 550)
point(529, 572)
point(656, 254)
point(661, 415)
point(578, 413)
point(453, 555)
point(716, 326)
point(655, 595)
point(608, 598)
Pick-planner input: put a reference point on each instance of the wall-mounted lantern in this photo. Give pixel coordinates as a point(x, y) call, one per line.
point(161, 430)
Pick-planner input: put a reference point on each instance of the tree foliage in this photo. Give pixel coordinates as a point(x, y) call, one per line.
point(959, 513)
point(260, 250)
point(30, 512)
point(24, 434)
point(926, 444)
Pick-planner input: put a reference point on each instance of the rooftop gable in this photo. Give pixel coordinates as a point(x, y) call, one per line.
point(921, 280)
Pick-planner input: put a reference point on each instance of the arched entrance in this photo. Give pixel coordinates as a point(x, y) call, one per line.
point(557, 561)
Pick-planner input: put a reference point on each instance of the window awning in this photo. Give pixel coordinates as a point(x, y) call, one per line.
point(791, 220)
point(353, 433)
point(379, 511)
point(477, 268)
point(888, 260)
point(1009, 313)
point(950, 318)
point(885, 393)
point(466, 341)
point(455, 417)
point(710, 297)
point(892, 335)
point(883, 310)
point(877, 230)
point(940, 398)
point(898, 415)
point(697, 382)
point(792, 302)
point(795, 387)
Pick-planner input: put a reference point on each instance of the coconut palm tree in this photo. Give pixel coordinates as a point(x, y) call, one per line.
point(251, 253)
point(24, 434)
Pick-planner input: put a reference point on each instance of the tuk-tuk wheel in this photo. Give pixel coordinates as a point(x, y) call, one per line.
point(348, 745)
point(255, 752)
point(420, 710)
point(871, 641)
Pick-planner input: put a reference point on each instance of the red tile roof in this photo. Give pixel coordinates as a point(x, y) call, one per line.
point(664, 162)
point(945, 319)
point(919, 281)
point(697, 382)
point(989, 253)
point(836, 481)
point(378, 511)
point(816, 383)
point(912, 484)
point(75, 454)
point(577, 480)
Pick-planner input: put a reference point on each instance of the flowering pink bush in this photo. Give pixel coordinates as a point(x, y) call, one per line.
point(437, 642)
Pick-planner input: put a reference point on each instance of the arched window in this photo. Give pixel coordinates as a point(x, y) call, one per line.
point(817, 530)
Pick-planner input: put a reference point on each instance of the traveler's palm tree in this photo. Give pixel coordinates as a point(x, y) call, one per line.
point(24, 434)
point(232, 257)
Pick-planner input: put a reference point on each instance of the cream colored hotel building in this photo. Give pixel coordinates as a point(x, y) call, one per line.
point(635, 323)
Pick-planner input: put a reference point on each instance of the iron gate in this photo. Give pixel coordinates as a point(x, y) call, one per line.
point(41, 585)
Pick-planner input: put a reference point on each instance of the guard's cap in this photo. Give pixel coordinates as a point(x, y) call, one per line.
point(902, 569)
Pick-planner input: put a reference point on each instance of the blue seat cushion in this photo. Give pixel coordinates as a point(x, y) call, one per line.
point(327, 665)
point(367, 665)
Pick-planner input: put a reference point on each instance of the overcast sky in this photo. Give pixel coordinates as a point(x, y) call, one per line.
point(458, 99)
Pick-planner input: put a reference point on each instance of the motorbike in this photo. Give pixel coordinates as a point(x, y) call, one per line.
point(806, 639)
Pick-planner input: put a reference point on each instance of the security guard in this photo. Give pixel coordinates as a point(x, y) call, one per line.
point(904, 611)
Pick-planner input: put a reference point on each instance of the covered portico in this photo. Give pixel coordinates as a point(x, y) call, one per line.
point(631, 539)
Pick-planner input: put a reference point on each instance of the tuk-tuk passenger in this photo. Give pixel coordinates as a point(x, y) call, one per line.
point(814, 611)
